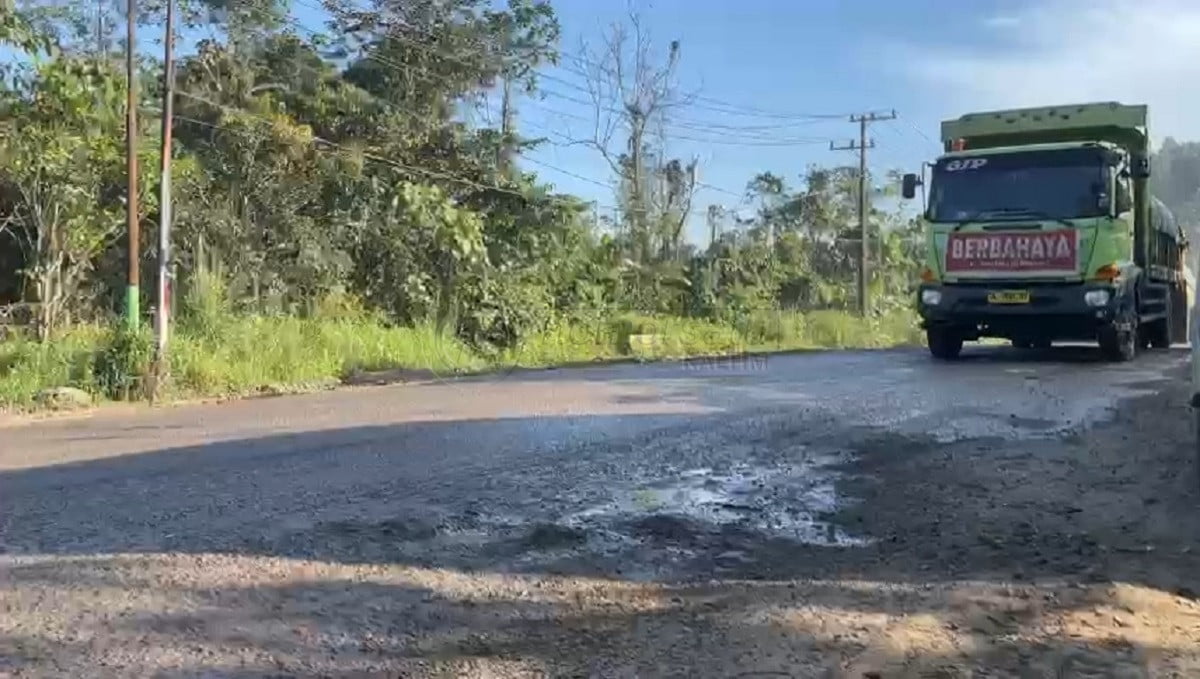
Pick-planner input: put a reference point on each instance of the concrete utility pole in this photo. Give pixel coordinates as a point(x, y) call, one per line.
point(132, 297)
point(507, 126)
point(864, 273)
point(162, 316)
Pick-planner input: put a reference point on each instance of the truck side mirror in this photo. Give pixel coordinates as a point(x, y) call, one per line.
point(1141, 168)
point(908, 186)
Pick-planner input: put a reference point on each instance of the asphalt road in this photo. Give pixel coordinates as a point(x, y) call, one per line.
point(764, 469)
point(517, 449)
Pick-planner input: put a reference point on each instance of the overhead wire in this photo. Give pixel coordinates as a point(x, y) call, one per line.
point(722, 106)
point(757, 142)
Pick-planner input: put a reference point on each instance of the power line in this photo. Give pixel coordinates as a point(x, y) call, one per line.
point(706, 185)
point(719, 105)
point(727, 140)
point(861, 146)
point(753, 138)
point(927, 138)
point(568, 173)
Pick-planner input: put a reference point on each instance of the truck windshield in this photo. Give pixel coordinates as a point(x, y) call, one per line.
point(1060, 184)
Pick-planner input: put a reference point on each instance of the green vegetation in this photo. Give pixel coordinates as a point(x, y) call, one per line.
point(256, 354)
point(335, 212)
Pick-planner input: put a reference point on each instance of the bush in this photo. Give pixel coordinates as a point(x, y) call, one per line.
point(677, 337)
point(342, 306)
point(27, 366)
point(781, 329)
point(275, 352)
point(501, 312)
point(123, 361)
point(205, 309)
point(565, 341)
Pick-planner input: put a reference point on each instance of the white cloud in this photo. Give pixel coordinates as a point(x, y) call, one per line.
point(1002, 22)
point(1074, 51)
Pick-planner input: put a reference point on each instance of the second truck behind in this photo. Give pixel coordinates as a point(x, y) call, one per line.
point(1041, 227)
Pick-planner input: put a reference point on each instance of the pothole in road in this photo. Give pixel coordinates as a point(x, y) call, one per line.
point(652, 521)
point(779, 501)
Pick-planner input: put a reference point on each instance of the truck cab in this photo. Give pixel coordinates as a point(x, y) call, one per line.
point(1040, 228)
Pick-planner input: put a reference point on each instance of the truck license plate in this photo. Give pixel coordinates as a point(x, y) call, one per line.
point(1008, 297)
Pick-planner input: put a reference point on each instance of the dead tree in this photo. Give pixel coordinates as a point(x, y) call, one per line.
point(632, 93)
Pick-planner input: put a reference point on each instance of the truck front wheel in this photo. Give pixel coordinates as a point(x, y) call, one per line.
point(944, 343)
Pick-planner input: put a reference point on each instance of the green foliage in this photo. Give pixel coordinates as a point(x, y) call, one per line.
point(252, 354)
point(674, 337)
point(205, 309)
point(500, 312)
point(20, 30)
point(28, 366)
point(122, 361)
point(1175, 179)
point(260, 353)
point(61, 172)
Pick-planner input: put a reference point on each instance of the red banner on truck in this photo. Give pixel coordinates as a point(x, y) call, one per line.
point(1028, 251)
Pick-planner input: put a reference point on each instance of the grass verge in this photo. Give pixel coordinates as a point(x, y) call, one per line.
point(231, 356)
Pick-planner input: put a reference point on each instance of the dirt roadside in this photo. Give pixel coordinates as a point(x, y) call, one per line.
point(1075, 557)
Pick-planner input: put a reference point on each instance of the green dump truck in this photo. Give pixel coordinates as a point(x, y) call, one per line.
point(1040, 227)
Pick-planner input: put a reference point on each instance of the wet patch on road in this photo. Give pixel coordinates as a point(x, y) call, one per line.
point(687, 521)
point(781, 501)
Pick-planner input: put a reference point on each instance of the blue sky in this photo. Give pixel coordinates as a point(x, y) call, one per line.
point(786, 57)
point(926, 59)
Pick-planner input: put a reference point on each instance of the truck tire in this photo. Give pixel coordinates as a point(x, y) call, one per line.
point(944, 343)
point(1179, 324)
point(1119, 346)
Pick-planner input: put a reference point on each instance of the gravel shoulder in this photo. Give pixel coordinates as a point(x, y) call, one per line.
point(1066, 555)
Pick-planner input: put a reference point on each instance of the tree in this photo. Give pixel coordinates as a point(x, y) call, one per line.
point(1175, 179)
point(61, 176)
point(632, 94)
point(769, 189)
point(310, 165)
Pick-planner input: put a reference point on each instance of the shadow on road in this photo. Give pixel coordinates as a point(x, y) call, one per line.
point(442, 546)
point(1061, 353)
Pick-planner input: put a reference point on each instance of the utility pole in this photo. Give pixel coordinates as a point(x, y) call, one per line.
point(864, 273)
point(132, 310)
point(506, 130)
point(100, 46)
point(162, 317)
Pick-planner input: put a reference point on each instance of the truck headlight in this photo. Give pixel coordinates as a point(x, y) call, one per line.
point(1096, 297)
point(931, 297)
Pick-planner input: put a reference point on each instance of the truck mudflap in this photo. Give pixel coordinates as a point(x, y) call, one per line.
point(1017, 311)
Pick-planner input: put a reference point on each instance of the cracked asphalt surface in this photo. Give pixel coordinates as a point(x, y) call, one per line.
point(848, 514)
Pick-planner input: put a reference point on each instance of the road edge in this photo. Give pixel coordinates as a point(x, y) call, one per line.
point(397, 376)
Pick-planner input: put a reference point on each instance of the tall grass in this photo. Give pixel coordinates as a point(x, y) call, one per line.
point(637, 336)
point(217, 353)
point(269, 352)
point(68, 359)
point(829, 330)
